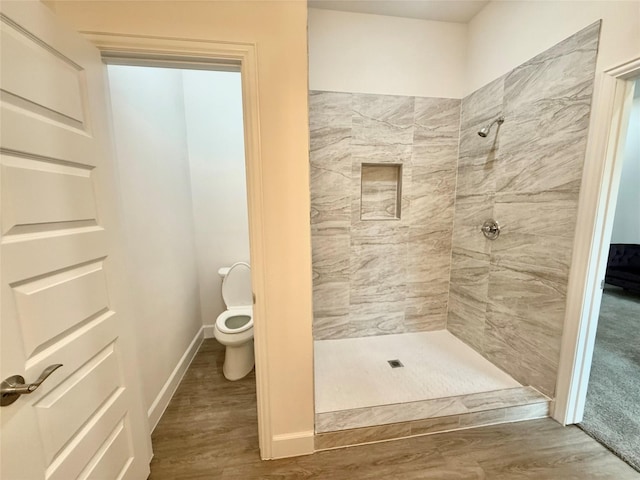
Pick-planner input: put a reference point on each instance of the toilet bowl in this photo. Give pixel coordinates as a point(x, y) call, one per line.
point(234, 326)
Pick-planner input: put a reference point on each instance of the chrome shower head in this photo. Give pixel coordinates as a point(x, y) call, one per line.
point(484, 131)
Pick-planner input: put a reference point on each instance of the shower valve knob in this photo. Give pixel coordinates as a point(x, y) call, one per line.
point(491, 229)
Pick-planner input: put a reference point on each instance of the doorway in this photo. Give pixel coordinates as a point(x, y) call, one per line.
point(612, 407)
point(179, 146)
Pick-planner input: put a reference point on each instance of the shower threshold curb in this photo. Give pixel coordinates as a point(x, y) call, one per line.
point(387, 422)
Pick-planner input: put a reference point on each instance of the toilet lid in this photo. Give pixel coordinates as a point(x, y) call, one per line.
point(236, 286)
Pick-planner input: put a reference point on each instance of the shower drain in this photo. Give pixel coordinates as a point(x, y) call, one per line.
point(395, 363)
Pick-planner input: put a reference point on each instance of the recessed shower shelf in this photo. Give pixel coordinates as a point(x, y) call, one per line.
point(381, 191)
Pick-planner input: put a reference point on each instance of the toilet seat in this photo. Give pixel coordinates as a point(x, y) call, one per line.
point(236, 286)
point(223, 324)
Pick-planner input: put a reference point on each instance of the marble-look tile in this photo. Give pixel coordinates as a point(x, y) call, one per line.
point(332, 327)
point(426, 299)
point(483, 105)
point(558, 69)
point(434, 208)
point(526, 367)
point(440, 413)
point(437, 121)
point(426, 322)
point(331, 147)
point(543, 145)
point(481, 152)
point(376, 318)
point(470, 213)
point(477, 419)
point(432, 162)
point(478, 156)
point(527, 332)
point(330, 258)
point(330, 299)
point(470, 274)
point(524, 291)
point(395, 284)
point(330, 215)
point(429, 161)
point(542, 214)
point(547, 109)
point(373, 296)
point(329, 440)
point(466, 319)
point(374, 262)
point(370, 153)
point(476, 175)
point(358, 436)
point(434, 425)
point(330, 179)
point(503, 398)
point(429, 262)
point(386, 414)
point(379, 233)
point(329, 109)
point(529, 341)
point(527, 412)
point(382, 120)
point(549, 258)
point(427, 239)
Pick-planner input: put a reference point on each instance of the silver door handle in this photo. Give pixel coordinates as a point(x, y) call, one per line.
point(14, 386)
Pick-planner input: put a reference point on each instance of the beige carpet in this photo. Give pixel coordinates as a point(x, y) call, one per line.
point(612, 412)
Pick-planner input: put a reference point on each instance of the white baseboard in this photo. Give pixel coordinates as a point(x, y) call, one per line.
point(161, 402)
point(208, 331)
point(292, 444)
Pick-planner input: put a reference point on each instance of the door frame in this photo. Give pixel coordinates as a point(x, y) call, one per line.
point(242, 57)
point(598, 197)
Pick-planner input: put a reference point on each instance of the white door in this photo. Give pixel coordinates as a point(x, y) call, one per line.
point(61, 291)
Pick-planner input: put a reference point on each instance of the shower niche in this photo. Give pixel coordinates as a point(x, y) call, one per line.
point(381, 191)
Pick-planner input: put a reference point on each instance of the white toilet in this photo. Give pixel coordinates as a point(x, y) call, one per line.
point(234, 327)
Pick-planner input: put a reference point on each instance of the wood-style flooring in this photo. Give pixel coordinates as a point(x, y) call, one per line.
point(209, 431)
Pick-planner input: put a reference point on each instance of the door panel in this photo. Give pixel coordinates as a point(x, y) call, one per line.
point(56, 304)
point(36, 192)
point(62, 297)
point(40, 76)
point(68, 406)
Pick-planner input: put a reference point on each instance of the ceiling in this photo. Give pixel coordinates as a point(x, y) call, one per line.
point(459, 11)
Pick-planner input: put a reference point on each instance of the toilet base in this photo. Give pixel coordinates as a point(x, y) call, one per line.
point(238, 361)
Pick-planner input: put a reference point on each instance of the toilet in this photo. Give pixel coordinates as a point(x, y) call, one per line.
point(234, 326)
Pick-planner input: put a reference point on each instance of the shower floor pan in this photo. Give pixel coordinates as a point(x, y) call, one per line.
point(380, 388)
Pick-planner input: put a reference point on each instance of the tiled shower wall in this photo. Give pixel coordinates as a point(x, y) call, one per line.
point(389, 275)
point(507, 297)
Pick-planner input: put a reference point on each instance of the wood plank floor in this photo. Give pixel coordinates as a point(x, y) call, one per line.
point(209, 431)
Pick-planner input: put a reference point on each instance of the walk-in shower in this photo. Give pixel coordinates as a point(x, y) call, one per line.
point(484, 131)
point(404, 270)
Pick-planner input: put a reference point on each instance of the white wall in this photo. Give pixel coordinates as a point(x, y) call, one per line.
point(151, 151)
point(354, 52)
point(626, 223)
point(213, 109)
point(363, 53)
point(505, 34)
